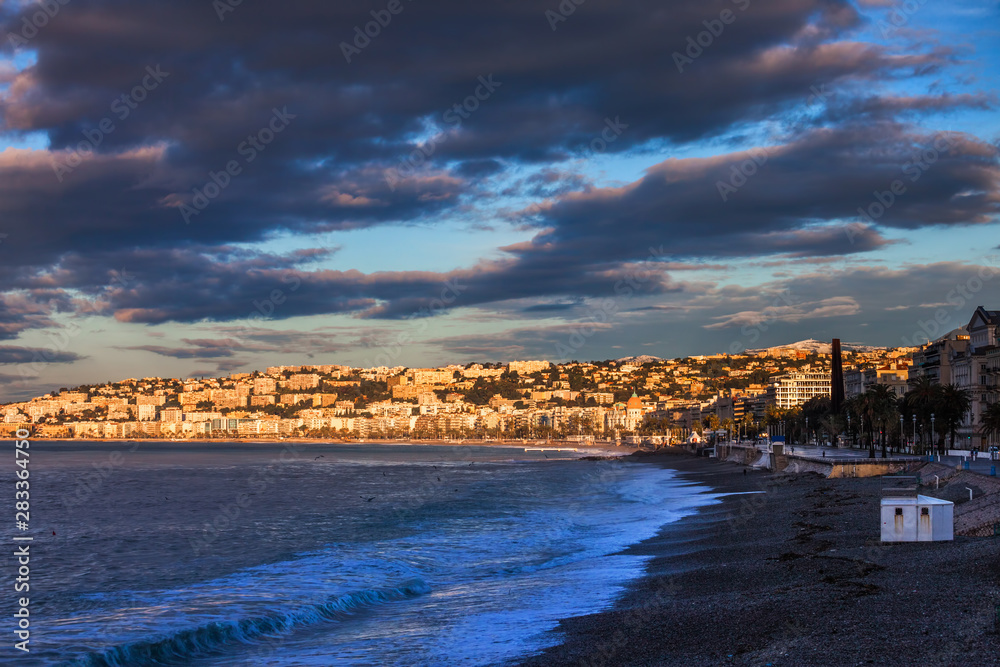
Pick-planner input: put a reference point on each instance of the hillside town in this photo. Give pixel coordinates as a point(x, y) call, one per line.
point(625, 401)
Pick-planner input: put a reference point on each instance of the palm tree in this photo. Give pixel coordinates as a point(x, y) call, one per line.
point(954, 404)
point(852, 411)
point(834, 425)
point(922, 401)
point(991, 422)
point(878, 408)
point(727, 425)
point(887, 412)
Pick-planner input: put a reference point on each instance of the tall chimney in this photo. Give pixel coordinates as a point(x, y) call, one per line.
point(837, 378)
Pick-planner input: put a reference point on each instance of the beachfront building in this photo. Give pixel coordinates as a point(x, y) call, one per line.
point(971, 373)
point(934, 360)
point(794, 389)
point(633, 412)
point(172, 416)
point(147, 413)
point(894, 375)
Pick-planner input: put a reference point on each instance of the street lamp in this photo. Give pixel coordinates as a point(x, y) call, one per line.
point(901, 436)
point(932, 432)
point(849, 431)
point(914, 429)
point(807, 430)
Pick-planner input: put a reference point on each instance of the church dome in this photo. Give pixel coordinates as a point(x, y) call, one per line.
point(634, 403)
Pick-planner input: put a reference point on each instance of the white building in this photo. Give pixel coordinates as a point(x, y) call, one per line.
point(919, 519)
point(794, 389)
point(146, 413)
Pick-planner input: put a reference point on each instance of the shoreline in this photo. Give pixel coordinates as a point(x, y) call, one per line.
point(550, 445)
point(792, 576)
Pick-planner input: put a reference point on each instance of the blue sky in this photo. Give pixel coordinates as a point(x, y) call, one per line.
point(517, 238)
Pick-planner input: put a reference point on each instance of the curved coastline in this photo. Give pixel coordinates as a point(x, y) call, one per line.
point(788, 570)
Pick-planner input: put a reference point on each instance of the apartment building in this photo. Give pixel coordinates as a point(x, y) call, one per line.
point(794, 389)
point(971, 372)
point(528, 367)
point(264, 385)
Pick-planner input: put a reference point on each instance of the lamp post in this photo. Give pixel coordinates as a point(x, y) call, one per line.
point(849, 431)
point(901, 436)
point(932, 433)
point(807, 430)
point(914, 429)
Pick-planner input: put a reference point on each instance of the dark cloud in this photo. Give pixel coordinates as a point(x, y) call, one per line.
point(791, 199)
point(889, 107)
point(11, 354)
point(222, 368)
point(374, 142)
point(196, 349)
point(23, 310)
point(520, 343)
point(553, 94)
point(551, 307)
point(854, 303)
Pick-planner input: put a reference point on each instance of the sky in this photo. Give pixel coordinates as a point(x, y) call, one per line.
point(196, 188)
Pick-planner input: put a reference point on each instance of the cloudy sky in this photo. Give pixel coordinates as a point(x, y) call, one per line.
point(196, 188)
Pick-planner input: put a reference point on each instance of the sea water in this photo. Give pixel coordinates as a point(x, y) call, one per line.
point(309, 554)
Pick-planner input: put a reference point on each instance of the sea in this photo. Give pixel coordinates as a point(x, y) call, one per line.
point(319, 554)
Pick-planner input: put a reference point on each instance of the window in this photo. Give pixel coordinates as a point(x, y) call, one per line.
point(924, 511)
point(899, 511)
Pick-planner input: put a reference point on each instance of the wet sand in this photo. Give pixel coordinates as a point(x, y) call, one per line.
point(792, 576)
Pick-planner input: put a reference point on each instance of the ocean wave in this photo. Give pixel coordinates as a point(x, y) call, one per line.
point(213, 638)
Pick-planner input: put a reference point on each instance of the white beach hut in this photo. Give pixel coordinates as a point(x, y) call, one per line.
point(917, 519)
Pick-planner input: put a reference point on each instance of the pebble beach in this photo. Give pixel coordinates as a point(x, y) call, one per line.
point(789, 570)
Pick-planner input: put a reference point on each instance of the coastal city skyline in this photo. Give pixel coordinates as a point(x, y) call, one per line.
point(636, 400)
point(826, 169)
